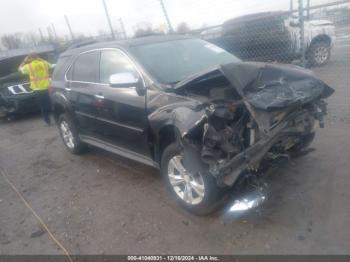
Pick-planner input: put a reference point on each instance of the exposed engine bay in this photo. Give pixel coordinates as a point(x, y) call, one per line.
point(269, 114)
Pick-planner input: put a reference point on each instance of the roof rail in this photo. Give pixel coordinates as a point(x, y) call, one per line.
point(83, 43)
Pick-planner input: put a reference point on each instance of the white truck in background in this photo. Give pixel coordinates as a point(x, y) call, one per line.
point(274, 36)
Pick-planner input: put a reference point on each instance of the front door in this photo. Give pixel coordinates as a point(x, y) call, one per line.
point(122, 112)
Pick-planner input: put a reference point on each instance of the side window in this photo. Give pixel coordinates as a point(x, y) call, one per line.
point(114, 62)
point(86, 68)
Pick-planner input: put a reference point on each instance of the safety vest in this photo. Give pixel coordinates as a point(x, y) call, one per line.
point(39, 74)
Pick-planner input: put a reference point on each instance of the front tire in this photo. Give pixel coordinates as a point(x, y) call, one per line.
point(198, 193)
point(69, 135)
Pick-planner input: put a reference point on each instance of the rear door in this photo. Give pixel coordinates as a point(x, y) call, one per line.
point(82, 88)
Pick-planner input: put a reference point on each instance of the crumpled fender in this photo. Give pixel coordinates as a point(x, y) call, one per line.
point(184, 115)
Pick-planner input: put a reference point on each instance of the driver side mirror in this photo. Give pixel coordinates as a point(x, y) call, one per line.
point(124, 80)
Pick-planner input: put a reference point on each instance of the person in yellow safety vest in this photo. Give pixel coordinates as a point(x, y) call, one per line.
point(38, 71)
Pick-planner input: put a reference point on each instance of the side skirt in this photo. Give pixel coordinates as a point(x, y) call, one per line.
point(118, 150)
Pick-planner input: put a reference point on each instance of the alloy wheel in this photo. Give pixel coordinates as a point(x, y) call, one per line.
point(321, 54)
point(67, 135)
point(188, 187)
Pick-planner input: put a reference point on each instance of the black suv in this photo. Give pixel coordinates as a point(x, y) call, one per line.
point(187, 107)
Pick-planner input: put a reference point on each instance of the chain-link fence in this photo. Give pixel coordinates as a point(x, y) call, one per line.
point(304, 34)
point(275, 30)
point(298, 31)
point(314, 34)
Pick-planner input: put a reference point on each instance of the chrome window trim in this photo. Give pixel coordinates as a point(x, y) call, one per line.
point(73, 62)
point(101, 50)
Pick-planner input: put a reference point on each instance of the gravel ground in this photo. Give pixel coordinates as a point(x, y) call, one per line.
point(99, 203)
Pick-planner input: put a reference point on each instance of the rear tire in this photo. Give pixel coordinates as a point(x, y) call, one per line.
point(70, 135)
point(197, 193)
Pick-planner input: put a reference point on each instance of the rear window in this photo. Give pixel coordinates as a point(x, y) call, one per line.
point(61, 67)
point(85, 68)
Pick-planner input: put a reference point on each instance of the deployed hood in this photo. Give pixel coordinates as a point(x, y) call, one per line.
point(268, 87)
point(273, 86)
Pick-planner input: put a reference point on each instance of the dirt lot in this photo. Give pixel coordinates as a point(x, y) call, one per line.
point(102, 204)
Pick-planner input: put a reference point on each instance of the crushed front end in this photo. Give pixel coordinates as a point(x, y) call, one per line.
point(273, 118)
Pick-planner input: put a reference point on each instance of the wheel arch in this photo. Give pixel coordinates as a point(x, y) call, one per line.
point(166, 135)
point(60, 105)
point(171, 125)
point(321, 38)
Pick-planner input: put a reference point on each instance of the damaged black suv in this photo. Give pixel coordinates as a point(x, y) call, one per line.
point(185, 106)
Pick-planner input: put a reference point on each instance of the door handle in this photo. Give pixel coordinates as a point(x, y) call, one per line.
point(68, 89)
point(99, 96)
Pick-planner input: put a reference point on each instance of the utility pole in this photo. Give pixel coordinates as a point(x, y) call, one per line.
point(69, 27)
point(308, 9)
point(49, 33)
point(291, 5)
point(166, 16)
point(54, 31)
point(32, 36)
point(41, 35)
point(108, 18)
point(122, 26)
point(302, 31)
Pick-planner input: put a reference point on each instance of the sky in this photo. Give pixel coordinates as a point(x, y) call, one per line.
point(88, 17)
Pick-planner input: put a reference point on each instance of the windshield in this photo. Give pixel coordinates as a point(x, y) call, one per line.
point(173, 61)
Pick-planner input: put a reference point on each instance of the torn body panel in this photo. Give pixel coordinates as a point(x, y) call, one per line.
point(172, 110)
point(239, 115)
